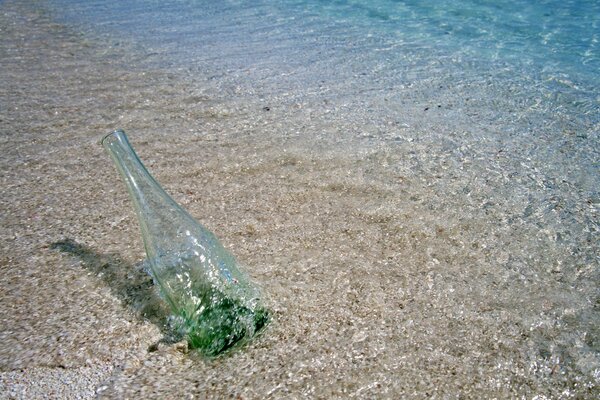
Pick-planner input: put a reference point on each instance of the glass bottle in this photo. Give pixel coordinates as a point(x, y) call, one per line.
point(214, 302)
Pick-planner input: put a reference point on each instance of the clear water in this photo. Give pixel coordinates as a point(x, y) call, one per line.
point(469, 142)
point(556, 42)
point(513, 66)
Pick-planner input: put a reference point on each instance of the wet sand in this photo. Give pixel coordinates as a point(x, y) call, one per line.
point(382, 284)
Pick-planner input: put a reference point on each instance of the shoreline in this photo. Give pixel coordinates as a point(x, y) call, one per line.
point(409, 266)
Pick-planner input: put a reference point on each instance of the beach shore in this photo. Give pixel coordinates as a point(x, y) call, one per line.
point(393, 270)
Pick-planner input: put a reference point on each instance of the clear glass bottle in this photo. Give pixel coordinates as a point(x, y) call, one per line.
point(214, 301)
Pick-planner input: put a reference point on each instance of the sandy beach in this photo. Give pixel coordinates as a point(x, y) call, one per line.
point(426, 266)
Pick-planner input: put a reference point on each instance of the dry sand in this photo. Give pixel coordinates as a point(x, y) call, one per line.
point(381, 285)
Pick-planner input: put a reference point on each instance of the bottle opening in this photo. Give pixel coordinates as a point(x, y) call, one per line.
point(111, 136)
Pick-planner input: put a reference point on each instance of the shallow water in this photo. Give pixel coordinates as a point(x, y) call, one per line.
point(415, 187)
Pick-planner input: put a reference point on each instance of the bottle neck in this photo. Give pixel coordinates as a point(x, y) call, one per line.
point(150, 201)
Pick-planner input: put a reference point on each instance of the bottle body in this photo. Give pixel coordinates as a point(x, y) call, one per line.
point(215, 303)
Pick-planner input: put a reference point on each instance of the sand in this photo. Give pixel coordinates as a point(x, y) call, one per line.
point(383, 282)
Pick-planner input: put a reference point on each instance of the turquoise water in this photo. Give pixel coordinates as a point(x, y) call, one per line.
point(553, 42)
point(519, 64)
point(559, 36)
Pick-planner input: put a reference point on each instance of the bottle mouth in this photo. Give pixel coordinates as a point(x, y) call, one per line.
point(110, 136)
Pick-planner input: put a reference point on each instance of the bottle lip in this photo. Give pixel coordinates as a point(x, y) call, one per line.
point(114, 133)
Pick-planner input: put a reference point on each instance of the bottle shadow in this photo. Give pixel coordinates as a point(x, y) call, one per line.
point(130, 283)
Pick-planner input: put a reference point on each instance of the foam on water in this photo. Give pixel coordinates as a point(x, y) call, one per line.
point(461, 138)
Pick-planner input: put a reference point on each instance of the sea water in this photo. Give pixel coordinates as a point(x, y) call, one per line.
point(553, 43)
point(476, 121)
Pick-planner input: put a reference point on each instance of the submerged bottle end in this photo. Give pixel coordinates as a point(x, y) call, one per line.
point(228, 325)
